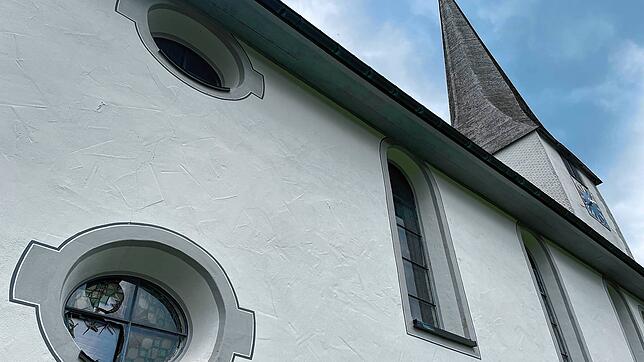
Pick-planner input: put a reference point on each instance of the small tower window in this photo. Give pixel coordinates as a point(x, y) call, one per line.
point(572, 170)
point(189, 62)
point(124, 319)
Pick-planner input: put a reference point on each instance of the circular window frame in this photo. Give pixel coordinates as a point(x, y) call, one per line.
point(250, 81)
point(45, 276)
point(139, 283)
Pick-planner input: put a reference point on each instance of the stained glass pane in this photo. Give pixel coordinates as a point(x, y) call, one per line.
point(98, 339)
point(153, 309)
point(105, 296)
point(145, 345)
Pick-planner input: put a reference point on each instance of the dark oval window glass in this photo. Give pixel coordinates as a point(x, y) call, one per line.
point(189, 62)
point(124, 319)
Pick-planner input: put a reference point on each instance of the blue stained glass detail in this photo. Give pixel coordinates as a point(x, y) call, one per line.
point(591, 205)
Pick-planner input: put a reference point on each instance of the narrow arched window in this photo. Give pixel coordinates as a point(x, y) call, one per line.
point(550, 311)
point(566, 333)
point(425, 260)
point(416, 267)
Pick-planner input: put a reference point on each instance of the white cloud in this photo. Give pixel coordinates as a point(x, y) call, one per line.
point(395, 50)
point(503, 10)
point(624, 186)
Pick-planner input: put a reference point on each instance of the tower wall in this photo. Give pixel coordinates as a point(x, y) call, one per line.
point(530, 158)
point(534, 158)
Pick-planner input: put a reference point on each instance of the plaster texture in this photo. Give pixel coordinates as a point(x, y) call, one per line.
point(285, 192)
point(593, 309)
point(508, 319)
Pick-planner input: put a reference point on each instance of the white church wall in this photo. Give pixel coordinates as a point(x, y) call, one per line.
point(286, 192)
point(503, 301)
point(593, 309)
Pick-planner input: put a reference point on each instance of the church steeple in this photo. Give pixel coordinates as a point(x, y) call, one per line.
point(488, 109)
point(484, 104)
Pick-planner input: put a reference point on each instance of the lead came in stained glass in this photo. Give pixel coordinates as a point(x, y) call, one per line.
point(154, 310)
point(124, 319)
point(109, 297)
point(149, 345)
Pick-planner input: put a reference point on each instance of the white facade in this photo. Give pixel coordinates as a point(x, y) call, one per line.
point(286, 192)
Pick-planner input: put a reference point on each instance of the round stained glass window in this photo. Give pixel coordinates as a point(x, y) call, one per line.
point(125, 319)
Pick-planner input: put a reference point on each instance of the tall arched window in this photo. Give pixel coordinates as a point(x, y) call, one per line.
point(566, 333)
point(415, 262)
point(433, 298)
point(550, 311)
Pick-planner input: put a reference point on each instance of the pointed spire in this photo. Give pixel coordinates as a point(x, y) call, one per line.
point(484, 104)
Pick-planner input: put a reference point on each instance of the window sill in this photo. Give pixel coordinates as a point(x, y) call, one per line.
point(444, 334)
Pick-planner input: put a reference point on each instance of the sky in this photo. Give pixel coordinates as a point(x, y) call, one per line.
point(579, 64)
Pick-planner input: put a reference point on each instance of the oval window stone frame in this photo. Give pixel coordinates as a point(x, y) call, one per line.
point(41, 280)
point(250, 80)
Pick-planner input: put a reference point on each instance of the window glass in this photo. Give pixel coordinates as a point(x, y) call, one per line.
point(188, 61)
point(572, 170)
point(124, 319)
point(552, 318)
point(415, 264)
point(150, 345)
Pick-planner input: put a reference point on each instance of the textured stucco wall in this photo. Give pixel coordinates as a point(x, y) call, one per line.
point(593, 308)
point(508, 318)
point(287, 193)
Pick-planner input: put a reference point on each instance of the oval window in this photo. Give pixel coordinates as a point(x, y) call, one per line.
point(125, 319)
point(189, 62)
